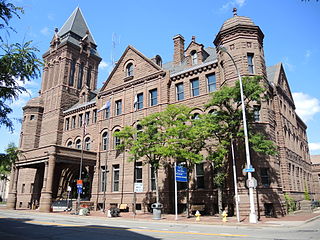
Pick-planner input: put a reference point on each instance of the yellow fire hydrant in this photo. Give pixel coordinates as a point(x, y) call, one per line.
point(197, 215)
point(224, 216)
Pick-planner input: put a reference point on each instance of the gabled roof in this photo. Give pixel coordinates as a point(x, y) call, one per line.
point(76, 24)
point(120, 62)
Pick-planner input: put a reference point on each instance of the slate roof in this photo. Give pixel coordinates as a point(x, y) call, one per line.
point(176, 69)
point(74, 29)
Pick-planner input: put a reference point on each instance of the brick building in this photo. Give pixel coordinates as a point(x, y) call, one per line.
point(52, 133)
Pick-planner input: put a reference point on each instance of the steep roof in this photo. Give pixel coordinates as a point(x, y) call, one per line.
point(212, 56)
point(75, 24)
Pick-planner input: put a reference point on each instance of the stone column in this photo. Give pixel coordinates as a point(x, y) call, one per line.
point(46, 193)
point(12, 195)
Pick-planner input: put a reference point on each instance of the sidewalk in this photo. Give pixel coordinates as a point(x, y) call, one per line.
point(288, 220)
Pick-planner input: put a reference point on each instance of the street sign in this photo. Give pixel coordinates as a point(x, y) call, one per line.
point(80, 182)
point(181, 174)
point(252, 183)
point(79, 189)
point(249, 170)
point(138, 187)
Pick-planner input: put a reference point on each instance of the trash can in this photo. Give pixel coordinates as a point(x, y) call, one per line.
point(156, 209)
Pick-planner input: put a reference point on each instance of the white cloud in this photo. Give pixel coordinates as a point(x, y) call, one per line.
point(240, 3)
point(306, 106)
point(103, 65)
point(287, 64)
point(51, 16)
point(24, 97)
point(314, 146)
point(233, 3)
point(307, 54)
point(45, 31)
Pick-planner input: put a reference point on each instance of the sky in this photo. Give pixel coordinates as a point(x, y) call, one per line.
point(291, 29)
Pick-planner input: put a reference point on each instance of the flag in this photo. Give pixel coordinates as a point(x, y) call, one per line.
point(106, 106)
point(135, 102)
point(84, 127)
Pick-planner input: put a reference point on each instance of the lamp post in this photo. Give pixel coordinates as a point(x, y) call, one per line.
point(252, 216)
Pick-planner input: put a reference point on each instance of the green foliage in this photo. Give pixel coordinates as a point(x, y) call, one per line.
point(306, 193)
point(290, 203)
point(18, 62)
point(225, 124)
point(7, 159)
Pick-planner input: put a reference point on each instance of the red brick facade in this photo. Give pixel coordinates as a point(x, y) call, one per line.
point(52, 131)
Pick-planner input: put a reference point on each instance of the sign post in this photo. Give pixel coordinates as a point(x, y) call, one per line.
point(180, 175)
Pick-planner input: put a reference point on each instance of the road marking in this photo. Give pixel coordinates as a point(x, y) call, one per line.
point(131, 229)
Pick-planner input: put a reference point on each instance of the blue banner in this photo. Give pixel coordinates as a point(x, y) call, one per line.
point(181, 174)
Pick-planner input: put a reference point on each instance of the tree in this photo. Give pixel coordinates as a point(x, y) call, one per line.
point(18, 62)
point(7, 160)
point(224, 126)
point(146, 143)
point(163, 137)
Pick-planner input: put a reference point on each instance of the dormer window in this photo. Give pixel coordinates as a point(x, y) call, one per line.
point(194, 57)
point(158, 61)
point(129, 70)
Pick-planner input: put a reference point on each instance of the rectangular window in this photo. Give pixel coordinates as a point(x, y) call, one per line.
point(212, 86)
point(107, 113)
point(73, 122)
point(87, 118)
point(138, 172)
point(31, 187)
point(256, 113)
point(153, 97)
point(103, 183)
point(32, 117)
point(23, 188)
point(94, 118)
point(180, 91)
point(250, 63)
point(67, 123)
point(115, 178)
point(80, 76)
point(264, 173)
point(195, 87)
point(139, 101)
point(118, 107)
point(152, 179)
point(200, 175)
point(80, 120)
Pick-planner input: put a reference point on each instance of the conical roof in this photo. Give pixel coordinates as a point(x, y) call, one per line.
point(75, 24)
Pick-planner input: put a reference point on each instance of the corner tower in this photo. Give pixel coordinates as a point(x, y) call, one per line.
point(244, 41)
point(71, 63)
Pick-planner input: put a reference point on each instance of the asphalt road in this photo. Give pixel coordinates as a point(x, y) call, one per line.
point(20, 225)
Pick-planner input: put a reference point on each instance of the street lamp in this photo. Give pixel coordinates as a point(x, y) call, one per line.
point(252, 216)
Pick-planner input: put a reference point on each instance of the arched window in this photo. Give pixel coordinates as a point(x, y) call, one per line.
point(129, 69)
point(194, 57)
point(69, 144)
point(72, 70)
point(196, 116)
point(78, 144)
point(89, 76)
point(116, 139)
point(158, 61)
point(105, 141)
point(87, 142)
point(80, 76)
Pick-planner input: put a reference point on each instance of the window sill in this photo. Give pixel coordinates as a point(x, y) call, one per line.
point(128, 78)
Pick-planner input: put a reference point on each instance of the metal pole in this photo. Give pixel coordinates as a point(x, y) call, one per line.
point(80, 171)
point(235, 182)
point(252, 216)
point(175, 191)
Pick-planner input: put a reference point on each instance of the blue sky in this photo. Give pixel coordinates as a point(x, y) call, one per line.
point(291, 28)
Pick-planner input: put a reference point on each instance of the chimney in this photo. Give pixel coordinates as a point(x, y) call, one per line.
point(178, 54)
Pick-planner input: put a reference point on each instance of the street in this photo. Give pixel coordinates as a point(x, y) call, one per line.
point(22, 225)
